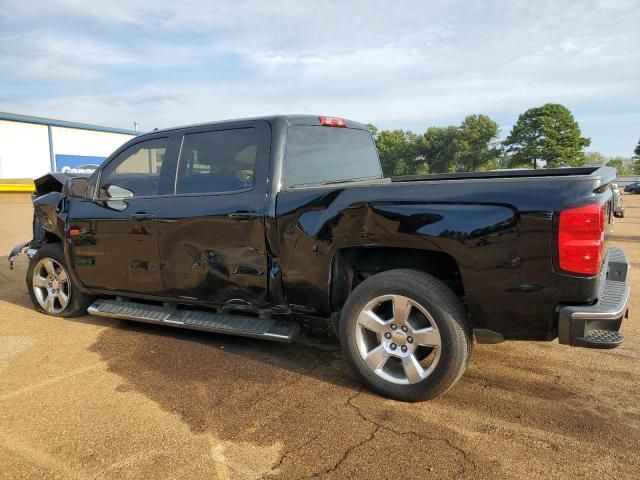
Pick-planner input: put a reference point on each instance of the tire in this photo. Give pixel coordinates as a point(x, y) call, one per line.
point(435, 316)
point(48, 278)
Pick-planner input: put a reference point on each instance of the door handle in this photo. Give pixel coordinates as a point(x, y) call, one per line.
point(243, 215)
point(142, 216)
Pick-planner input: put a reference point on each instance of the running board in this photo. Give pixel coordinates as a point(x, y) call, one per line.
point(241, 325)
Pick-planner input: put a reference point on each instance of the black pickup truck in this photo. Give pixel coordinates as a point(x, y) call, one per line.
point(265, 226)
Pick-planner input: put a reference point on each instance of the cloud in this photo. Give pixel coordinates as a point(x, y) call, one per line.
point(409, 64)
point(45, 56)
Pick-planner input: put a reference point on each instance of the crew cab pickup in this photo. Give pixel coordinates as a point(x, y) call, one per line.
point(264, 227)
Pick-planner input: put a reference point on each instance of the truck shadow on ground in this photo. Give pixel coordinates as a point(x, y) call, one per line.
point(304, 398)
point(265, 393)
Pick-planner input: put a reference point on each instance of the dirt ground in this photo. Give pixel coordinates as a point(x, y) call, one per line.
point(108, 399)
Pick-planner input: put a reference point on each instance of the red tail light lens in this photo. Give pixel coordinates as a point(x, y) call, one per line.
point(333, 122)
point(581, 239)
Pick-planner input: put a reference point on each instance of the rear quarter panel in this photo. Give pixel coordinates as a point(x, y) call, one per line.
point(499, 231)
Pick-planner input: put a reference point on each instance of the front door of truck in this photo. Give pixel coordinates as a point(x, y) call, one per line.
point(114, 233)
point(211, 230)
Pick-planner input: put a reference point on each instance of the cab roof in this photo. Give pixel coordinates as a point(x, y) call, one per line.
point(295, 119)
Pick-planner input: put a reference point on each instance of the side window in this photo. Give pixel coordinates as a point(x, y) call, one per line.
point(217, 162)
point(135, 172)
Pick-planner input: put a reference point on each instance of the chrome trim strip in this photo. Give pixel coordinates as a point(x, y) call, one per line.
point(614, 315)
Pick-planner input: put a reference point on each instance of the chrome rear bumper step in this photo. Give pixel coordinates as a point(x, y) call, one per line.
point(598, 325)
point(240, 325)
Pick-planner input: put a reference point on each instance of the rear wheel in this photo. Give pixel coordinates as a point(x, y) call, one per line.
point(405, 334)
point(50, 286)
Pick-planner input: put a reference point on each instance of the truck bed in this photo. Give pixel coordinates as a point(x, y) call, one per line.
point(605, 172)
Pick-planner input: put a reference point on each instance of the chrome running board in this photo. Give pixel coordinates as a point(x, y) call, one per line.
point(240, 325)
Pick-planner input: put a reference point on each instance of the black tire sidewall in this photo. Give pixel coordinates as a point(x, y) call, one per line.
point(453, 352)
point(78, 302)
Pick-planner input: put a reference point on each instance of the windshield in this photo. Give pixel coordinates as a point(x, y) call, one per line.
point(320, 155)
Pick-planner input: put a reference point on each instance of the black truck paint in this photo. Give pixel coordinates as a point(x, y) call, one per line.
point(299, 251)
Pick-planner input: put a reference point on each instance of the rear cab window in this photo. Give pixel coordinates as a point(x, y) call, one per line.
point(321, 155)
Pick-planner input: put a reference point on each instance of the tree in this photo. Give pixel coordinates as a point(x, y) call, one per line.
point(373, 129)
point(636, 163)
point(623, 165)
point(548, 135)
point(398, 153)
point(440, 147)
point(478, 144)
point(595, 159)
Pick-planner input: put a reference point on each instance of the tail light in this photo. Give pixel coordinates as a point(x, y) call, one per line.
point(333, 122)
point(581, 239)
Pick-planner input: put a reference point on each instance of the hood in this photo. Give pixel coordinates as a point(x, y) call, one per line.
point(53, 182)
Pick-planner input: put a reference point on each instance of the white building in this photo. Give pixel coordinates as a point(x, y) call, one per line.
point(33, 146)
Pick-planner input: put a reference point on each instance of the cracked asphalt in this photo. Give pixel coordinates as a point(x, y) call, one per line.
point(95, 398)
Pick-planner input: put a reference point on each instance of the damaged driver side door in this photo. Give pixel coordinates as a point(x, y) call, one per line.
point(113, 232)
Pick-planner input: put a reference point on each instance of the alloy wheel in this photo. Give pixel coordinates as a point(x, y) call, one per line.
point(398, 339)
point(51, 285)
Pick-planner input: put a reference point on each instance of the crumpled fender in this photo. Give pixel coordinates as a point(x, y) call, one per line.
point(45, 210)
point(20, 250)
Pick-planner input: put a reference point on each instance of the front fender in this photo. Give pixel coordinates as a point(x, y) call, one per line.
point(21, 249)
point(47, 212)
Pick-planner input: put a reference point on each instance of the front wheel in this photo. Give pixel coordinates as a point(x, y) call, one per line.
point(405, 334)
point(50, 286)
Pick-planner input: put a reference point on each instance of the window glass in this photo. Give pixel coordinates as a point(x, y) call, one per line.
point(317, 155)
point(135, 172)
point(217, 162)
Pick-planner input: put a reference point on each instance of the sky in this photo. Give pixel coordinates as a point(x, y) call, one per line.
point(396, 64)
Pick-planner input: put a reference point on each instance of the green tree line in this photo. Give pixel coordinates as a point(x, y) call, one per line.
point(543, 137)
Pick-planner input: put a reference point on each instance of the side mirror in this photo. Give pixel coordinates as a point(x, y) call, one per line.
point(117, 192)
point(75, 187)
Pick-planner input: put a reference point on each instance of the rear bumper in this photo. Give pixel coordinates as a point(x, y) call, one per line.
point(597, 325)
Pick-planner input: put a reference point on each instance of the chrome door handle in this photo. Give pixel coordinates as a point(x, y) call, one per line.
point(142, 216)
point(243, 215)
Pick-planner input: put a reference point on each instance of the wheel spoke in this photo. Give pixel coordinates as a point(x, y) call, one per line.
point(49, 267)
point(49, 303)
point(62, 276)
point(412, 368)
point(376, 358)
point(369, 320)
point(63, 298)
point(427, 337)
point(401, 308)
point(39, 281)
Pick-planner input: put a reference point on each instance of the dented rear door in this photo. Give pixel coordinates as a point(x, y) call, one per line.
point(211, 230)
